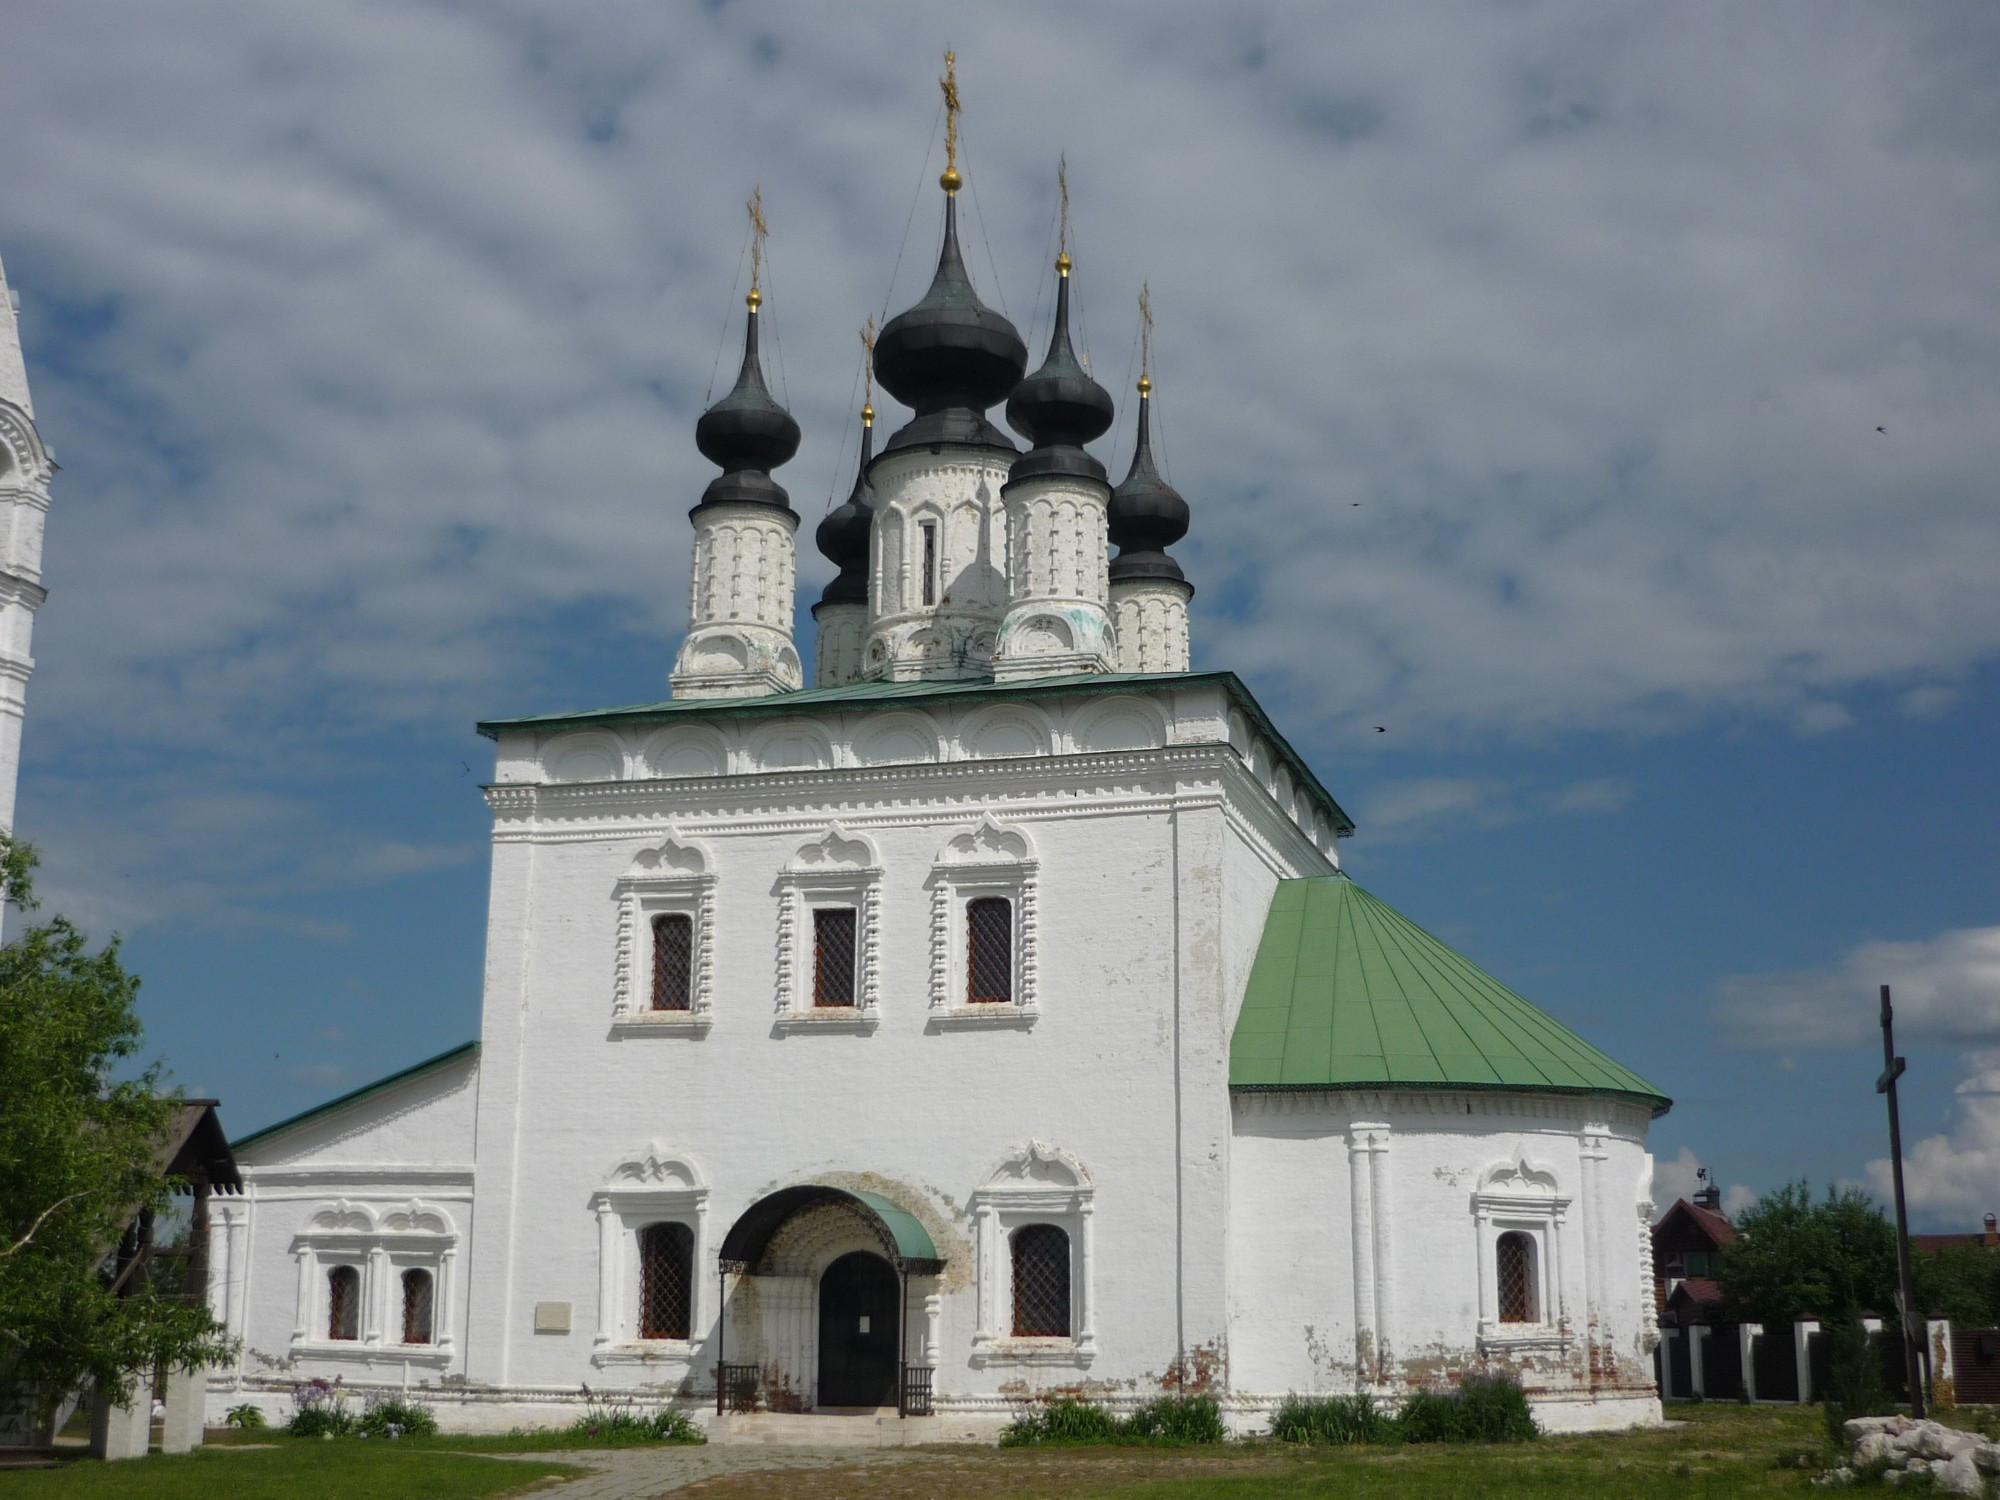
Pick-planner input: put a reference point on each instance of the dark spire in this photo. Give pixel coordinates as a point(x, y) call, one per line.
point(843, 535)
point(1147, 514)
point(747, 433)
point(1059, 408)
point(950, 358)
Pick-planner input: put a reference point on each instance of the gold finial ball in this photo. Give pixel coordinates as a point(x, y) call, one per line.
point(1063, 264)
point(754, 300)
point(1145, 385)
point(868, 416)
point(950, 180)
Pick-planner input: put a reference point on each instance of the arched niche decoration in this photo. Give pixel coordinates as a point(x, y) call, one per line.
point(986, 860)
point(584, 755)
point(684, 751)
point(794, 745)
point(674, 876)
point(896, 739)
point(1034, 1183)
point(380, 1242)
point(1126, 723)
point(1005, 732)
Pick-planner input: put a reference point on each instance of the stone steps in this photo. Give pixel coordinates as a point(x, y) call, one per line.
point(849, 1429)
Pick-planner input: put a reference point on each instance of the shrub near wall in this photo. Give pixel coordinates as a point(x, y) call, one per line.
point(1483, 1409)
point(1169, 1421)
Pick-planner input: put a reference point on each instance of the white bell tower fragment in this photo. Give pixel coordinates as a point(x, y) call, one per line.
point(25, 467)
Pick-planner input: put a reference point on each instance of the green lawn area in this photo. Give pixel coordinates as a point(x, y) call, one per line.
point(1714, 1451)
point(1721, 1451)
point(290, 1469)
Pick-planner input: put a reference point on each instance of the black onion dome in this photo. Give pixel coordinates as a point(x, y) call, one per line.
point(843, 534)
point(1059, 408)
point(949, 357)
point(747, 434)
point(1147, 515)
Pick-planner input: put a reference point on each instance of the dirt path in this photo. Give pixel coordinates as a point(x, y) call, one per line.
point(642, 1473)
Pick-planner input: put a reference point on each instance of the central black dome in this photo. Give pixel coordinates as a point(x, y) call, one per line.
point(949, 358)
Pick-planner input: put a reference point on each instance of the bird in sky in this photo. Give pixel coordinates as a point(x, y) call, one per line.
point(1882, 430)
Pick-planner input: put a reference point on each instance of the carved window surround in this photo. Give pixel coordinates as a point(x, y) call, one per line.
point(988, 859)
point(676, 876)
point(835, 869)
point(1519, 1196)
point(1036, 1184)
point(652, 1186)
point(380, 1245)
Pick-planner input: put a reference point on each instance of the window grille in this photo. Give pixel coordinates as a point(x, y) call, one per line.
point(1516, 1267)
point(343, 1303)
point(1041, 1282)
point(989, 948)
point(666, 1281)
point(673, 961)
point(929, 530)
point(417, 1307)
point(833, 955)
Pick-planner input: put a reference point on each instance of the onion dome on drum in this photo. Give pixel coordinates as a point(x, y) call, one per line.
point(1059, 408)
point(1148, 515)
point(843, 534)
point(949, 358)
point(747, 433)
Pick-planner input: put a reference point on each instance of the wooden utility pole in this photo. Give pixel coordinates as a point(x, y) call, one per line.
point(1913, 1327)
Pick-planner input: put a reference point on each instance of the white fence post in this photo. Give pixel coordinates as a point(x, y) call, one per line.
point(1697, 1343)
point(1802, 1332)
point(1746, 1346)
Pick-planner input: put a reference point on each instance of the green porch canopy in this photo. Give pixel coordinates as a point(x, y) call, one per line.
point(1347, 994)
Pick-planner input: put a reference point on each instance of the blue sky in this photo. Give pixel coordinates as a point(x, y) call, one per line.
point(1523, 365)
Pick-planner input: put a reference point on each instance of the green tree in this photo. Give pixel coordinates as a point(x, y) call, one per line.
point(78, 1151)
point(1960, 1282)
point(1797, 1257)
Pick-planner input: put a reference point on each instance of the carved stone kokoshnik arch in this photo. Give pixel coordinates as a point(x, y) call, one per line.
point(746, 1251)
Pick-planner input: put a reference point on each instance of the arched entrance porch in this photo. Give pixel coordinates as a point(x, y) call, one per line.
point(815, 1295)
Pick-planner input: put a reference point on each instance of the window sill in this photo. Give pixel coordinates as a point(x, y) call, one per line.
point(663, 1023)
point(1073, 1354)
point(645, 1352)
point(828, 1018)
point(991, 1015)
point(439, 1355)
point(1524, 1337)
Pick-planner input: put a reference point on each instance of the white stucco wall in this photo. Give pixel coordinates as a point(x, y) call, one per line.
point(1362, 1230)
point(384, 1184)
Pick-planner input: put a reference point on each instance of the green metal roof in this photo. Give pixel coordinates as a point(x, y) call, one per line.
point(878, 695)
point(913, 1241)
point(355, 1096)
point(1348, 994)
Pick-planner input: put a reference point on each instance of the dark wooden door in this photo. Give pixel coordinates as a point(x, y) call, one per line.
point(858, 1306)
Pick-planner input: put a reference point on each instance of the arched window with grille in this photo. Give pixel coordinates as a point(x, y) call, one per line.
point(666, 1281)
point(1514, 1262)
point(343, 1303)
point(1041, 1282)
point(419, 1310)
point(989, 949)
point(673, 961)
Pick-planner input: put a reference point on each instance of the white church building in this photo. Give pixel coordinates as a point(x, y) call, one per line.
point(989, 1018)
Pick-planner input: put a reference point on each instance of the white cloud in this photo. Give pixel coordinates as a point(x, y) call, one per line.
point(1946, 990)
point(1736, 1199)
point(1527, 363)
point(1955, 1177)
point(1675, 1179)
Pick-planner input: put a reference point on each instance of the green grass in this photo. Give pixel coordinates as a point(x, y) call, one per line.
point(289, 1469)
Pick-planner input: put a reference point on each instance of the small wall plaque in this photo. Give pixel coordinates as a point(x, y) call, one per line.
point(552, 1317)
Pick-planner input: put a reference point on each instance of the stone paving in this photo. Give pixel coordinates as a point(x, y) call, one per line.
point(642, 1473)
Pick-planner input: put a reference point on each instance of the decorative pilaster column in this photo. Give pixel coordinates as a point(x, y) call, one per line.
point(933, 1318)
point(1361, 1209)
point(444, 1326)
point(607, 1273)
point(1385, 1253)
point(1086, 1309)
point(303, 1320)
point(989, 1272)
